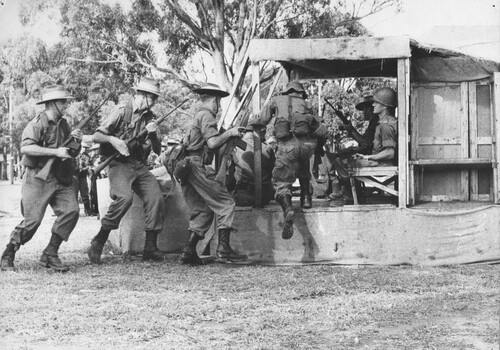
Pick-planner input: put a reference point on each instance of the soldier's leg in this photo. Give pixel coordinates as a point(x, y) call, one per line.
point(284, 174)
point(200, 220)
point(65, 206)
point(121, 176)
point(84, 193)
point(147, 188)
point(304, 172)
point(35, 197)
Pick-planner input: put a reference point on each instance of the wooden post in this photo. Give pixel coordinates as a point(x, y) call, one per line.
point(257, 147)
point(403, 109)
point(496, 136)
point(464, 139)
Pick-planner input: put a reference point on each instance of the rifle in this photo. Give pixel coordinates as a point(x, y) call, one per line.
point(233, 141)
point(134, 140)
point(71, 143)
point(230, 144)
point(339, 114)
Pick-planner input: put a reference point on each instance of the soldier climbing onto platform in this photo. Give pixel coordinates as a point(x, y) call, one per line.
point(296, 129)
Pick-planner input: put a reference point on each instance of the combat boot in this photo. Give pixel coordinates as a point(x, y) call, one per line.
point(151, 251)
point(7, 261)
point(53, 262)
point(97, 244)
point(305, 194)
point(50, 257)
point(189, 256)
point(224, 251)
point(288, 214)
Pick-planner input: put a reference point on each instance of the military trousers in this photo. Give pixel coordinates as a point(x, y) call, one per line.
point(292, 162)
point(83, 189)
point(36, 195)
point(129, 177)
point(206, 197)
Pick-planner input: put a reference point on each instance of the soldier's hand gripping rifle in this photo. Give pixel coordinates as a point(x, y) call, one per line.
point(134, 140)
point(234, 141)
point(71, 143)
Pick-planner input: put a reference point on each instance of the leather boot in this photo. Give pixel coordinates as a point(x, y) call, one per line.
point(305, 194)
point(7, 262)
point(189, 256)
point(97, 244)
point(50, 258)
point(288, 214)
point(151, 251)
point(224, 251)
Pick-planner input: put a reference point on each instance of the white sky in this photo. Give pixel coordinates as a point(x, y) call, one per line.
point(420, 16)
point(417, 17)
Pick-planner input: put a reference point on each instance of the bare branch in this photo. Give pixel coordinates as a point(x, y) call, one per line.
point(185, 18)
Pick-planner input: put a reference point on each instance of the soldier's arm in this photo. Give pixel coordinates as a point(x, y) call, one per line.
point(39, 151)
point(219, 140)
point(104, 133)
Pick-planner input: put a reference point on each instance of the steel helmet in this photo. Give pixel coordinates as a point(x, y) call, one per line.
point(386, 96)
point(295, 86)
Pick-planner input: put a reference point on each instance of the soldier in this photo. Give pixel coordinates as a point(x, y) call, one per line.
point(296, 130)
point(384, 150)
point(385, 101)
point(129, 173)
point(42, 139)
point(244, 175)
point(205, 196)
point(82, 173)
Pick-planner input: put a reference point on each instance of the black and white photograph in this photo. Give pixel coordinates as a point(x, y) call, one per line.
point(260, 174)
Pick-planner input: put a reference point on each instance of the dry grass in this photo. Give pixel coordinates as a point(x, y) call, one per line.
point(138, 305)
point(130, 304)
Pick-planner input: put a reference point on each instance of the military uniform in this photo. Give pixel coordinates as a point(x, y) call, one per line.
point(82, 172)
point(38, 194)
point(295, 129)
point(204, 196)
point(386, 136)
point(130, 174)
point(127, 174)
point(49, 130)
point(244, 175)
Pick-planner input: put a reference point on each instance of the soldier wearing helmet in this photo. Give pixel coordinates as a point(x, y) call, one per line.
point(385, 101)
point(296, 129)
point(129, 173)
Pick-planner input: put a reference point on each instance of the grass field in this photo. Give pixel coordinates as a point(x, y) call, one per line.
point(130, 304)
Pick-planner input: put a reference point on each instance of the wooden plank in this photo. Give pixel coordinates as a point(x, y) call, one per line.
point(375, 171)
point(464, 133)
point(496, 128)
point(403, 110)
point(373, 183)
point(468, 162)
point(473, 133)
point(358, 48)
point(437, 140)
point(413, 188)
